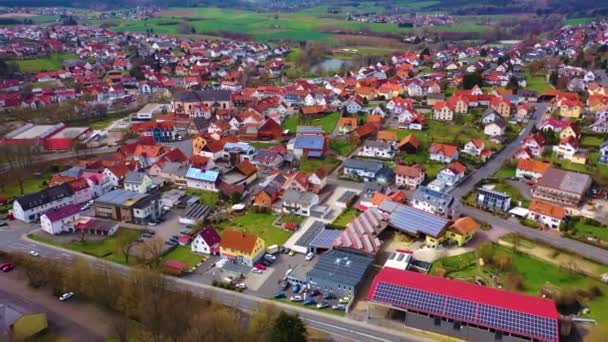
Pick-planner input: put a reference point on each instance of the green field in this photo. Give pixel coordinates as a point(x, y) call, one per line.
point(346, 217)
point(327, 122)
point(183, 254)
point(342, 147)
point(310, 165)
point(578, 21)
point(29, 186)
point(534, 273)
point(107, 248)
point(50, 63)
point(205, 197)
point(259, 224)
point(306, 25)
point(536, 82)
point(516, 196)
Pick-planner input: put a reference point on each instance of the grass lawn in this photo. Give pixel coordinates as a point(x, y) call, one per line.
point(259, 224)
point(342, 147)
point(327, 122)
point(578, 21)
point(183, 254)
point(311, 164)
point(29, 186)
point(505, 172)
point(206, 197)
point(592, 140)
point(346, 217)
point(536, 82)
point(106, 248)
point(50, 63)
point(534, 273)
point(102, 124)
point(264, 145)
point(584, 230)
point(516, 196)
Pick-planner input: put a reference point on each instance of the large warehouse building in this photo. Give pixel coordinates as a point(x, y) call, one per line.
point(56, 137)
point(464, 310)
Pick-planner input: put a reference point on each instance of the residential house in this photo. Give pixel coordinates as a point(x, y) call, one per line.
point(308, 146)
point(491, 200)
point(352, 106)
point(60, 220)
point(490, 116)
point(474, 147)
point(206, 242)
point(83, 189)
point(531, 169)
point(299, 203)
point(241, 247)
point(434, 202)
point(368, 171)
point(546, 214)
point(409, 176)
point(443, 111)
point(603, 153)
point(452, 174)
point(501, 105)
point(461, 231)
point(268, 160)
point(239, 152)
point(116, 174)
point(535, 143)
point(570, 108)
point(567, 148)
point(570, 131)
point(138, 182)
point(266, 196)
point(376, 149)
point(28, 208)
point(205, 180)
point(443, 152)
point(347, 125)
point(495, 129)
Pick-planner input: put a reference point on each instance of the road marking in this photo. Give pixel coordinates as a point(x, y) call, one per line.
point(347, 330)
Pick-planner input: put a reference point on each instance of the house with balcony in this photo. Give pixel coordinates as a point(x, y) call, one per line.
point(376, 149)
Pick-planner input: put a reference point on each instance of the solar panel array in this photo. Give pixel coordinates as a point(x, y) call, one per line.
point(416, 221)
point(533, 326)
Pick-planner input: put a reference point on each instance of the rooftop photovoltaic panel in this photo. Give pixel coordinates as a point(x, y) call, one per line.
point(510, 312)
point(416, 221)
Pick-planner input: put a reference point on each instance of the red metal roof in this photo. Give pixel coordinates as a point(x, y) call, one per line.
point(466, 291)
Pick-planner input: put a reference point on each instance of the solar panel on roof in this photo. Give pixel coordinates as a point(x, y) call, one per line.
point(538, 327)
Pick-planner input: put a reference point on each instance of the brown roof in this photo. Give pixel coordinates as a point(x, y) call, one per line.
point(409, 171)
point(367, 129)
point(547, 209)
point(239, 241)
point(448, 150)
point(533, 165)
point(387, 135)
point(347, 121)
point(247, 168)
point(410, 139)
point(464, 225)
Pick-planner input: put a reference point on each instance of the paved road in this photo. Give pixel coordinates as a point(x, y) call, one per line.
point(490, 168)
point(583, 249)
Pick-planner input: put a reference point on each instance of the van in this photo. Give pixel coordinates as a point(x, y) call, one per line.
point(274, 249)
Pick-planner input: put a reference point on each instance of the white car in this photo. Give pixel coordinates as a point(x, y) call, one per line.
point(34, 253)
point(257, 270)
point(295, 298)
point(242, 286)
point(66, 296)
point(309, 256)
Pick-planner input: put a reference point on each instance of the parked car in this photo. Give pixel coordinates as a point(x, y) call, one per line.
point(7, 267)
point(257, 270)
point(185, 232)
point(338, 307)
point(310, 301)
point(261, 266)
point(295, 288)
point(309, 256)
point(286, 250)
point(270, 257)
point(171, 243)
point(279, 295)
point(295, 298)
point(329, 295)
point(152, 223)
point(66, 296)
point(241, 286)
point(34, 253)
point(315, 292)
point(284, 286)
point(322, 305)
point(344, 300)
point(3, 224)
point(291, 253)
point(265, 262)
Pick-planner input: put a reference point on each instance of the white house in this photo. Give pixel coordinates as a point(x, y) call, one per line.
point(59, 220)
point(376, 149)
point(494, 129)
point(138, 182)
point(299, 203)
point(28, 208)
point(474, 147)
point(206, 242)
point(546, 214)
point(409, 176)
point(202, 179)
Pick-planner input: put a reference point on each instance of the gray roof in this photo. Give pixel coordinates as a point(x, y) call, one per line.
point(347, 196)
point(177, 169)
point(74, 171)
point(326, 238)
point(214, 95)
point(310, 234)
point(577, 183)
point(367, 165)
point(436, 198)
point(196, 211)
point(377, 144)
point(295, 196)
point(121, 198)
point(134, 177)
point(45, 196)
point(342, 267)
point(412, 220)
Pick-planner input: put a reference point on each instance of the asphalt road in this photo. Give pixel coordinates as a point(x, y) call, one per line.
point(490, 168)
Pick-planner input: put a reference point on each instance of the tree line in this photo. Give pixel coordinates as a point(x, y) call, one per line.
point(146, 305)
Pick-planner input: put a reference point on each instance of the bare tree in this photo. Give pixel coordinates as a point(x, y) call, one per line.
point(18, 160)
point(124, 246)
point(153, 251)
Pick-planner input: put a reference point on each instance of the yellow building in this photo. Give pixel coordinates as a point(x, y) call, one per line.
point(569, 131)
point(580, 157)
point(242, 247)
point(459, 233)
point(198, 143)
point(570, 109)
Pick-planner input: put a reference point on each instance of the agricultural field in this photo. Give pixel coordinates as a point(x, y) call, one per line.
point(50, 63)
point(328, 122)
point(313, 24)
